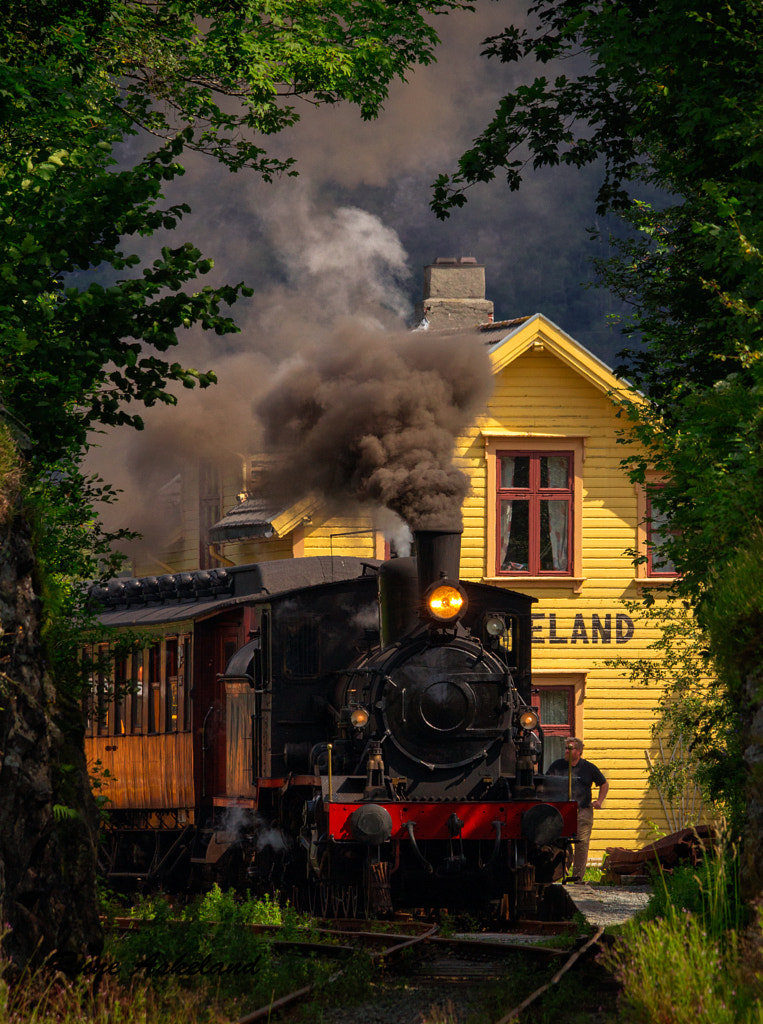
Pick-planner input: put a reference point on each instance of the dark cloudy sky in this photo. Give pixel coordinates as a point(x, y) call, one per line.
point(533, 242)
point(349, 237)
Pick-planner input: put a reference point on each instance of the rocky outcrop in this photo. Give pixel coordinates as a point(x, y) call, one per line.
point(47, 813)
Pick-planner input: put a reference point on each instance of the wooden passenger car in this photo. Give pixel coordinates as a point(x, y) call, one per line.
point(172, 743)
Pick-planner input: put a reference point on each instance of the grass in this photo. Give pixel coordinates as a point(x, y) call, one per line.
point(50, 998)
point(197, 964)
point(682, 962)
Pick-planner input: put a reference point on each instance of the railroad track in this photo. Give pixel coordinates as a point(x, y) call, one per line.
point(380, 946)
point(447, 963)
point(427, 964)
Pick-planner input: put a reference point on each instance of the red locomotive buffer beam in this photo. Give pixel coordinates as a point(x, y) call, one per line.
point(432, 819)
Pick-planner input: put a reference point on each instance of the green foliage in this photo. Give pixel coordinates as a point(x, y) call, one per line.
point(593, 874)
point(73, 354)
point(734, 620)
point(672, 971)
point(211, 942)
point(62, 813)
point(652, 91)
point(224, 73)
point(680, 961)
point(695, 714)
point(709, 891)
point(83, 325)
point(75, 81)
point(264, 54)
point(164, 941)
point(100, 778)
point(217, 905)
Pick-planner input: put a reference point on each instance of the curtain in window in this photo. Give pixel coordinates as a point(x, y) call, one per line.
point(538, 522)
point(556, 515)
point(554, 471)
point(659, 533)
point(515, 535)
point(515, 471)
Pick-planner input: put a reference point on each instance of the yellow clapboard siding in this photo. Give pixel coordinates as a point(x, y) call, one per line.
point(346, 536)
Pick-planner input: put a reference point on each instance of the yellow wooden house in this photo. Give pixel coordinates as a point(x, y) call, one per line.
point(550, 513)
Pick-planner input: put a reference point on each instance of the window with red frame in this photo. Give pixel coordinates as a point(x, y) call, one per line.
point(555, 707)
point(658, 531)
point(534, 520)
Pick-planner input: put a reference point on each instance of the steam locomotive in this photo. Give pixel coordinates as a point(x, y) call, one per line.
point(357, 736)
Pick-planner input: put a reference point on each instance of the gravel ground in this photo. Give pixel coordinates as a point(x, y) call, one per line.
point(411, 1004)
point(609, 904)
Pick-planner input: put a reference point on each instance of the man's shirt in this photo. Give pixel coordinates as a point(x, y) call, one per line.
point(585, 774)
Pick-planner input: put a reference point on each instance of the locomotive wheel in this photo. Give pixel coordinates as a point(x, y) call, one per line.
point(556, 904)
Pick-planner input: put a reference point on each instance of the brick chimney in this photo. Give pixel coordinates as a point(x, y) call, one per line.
point(454, 294)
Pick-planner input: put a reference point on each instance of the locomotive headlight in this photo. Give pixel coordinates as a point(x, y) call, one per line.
point(445, 602)
point(528, 720)
point(359, 717)
point(495, 626)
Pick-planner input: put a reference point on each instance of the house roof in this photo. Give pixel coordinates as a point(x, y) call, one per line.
point(250, 518)
point(538, 331)
point(255, 517)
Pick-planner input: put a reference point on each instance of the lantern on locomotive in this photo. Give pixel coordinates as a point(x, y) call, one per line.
point(430, 781)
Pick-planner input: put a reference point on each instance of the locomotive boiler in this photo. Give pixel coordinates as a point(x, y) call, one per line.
point(357, 736)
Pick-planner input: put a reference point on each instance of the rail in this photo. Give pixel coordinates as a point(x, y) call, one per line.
point(406, 941)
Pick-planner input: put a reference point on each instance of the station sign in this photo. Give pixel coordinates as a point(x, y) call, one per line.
point(587, 628)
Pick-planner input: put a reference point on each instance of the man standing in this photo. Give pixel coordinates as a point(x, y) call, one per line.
point(585, 774)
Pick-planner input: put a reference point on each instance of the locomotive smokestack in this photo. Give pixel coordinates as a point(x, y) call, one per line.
point(438, 553)
point(404, 581)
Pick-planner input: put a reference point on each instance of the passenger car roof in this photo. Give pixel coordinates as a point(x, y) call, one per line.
point(153, 600)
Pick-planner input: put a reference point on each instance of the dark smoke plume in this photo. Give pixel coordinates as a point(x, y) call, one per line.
point(373, 419)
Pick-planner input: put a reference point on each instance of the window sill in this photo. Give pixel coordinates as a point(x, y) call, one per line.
point(655, 581)
point(574, 583)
